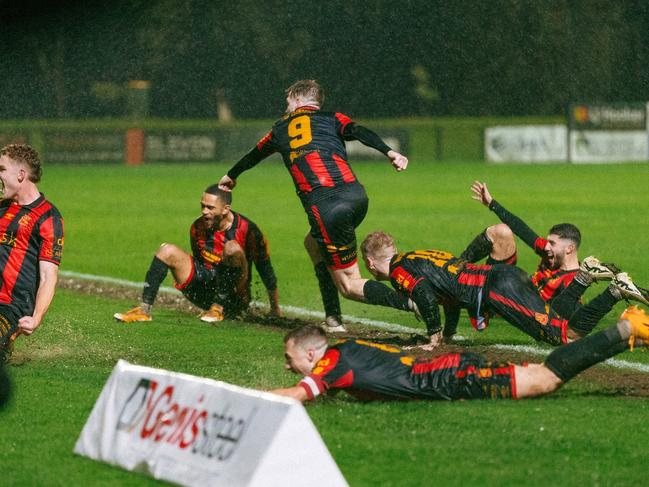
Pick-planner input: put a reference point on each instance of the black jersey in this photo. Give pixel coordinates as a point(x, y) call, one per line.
point(28, 234)
point(312, 145)
point(433, 277)
point(369, 370)
point(208, 244)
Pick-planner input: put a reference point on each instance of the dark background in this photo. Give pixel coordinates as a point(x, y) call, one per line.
point(374, 58)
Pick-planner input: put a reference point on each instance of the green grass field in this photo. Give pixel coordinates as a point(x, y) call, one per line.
point(116, 217)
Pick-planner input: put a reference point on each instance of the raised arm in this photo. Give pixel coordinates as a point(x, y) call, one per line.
point(353, 131)
point(519, 227)
point(259, 152)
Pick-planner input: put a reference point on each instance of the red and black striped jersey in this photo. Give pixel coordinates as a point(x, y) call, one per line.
point(549, 282)
point(208, 244)
point(312, 145)
point(28, 234)
point(432, 277)
point(368, 370)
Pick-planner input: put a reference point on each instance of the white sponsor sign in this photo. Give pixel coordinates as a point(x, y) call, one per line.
point(200, 432)
point(529, 143)
point(608, 146)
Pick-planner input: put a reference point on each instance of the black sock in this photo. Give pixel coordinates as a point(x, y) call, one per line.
point(586, 318)
point(379, 294)
point(571, 359)
point(567, 302)
point(154, 277)
point(328, 291)
point(479, 248)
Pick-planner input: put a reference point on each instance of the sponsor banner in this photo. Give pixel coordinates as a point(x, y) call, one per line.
point(180, 147)
point(529, 143)
point(608, 146)
point(196, 432)
point(82, 147)
point(608, 116)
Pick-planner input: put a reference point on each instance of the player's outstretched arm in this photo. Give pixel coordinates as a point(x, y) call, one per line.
point(296, 392)
point(227, 184)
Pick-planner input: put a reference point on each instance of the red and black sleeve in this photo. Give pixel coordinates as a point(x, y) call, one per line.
point(51, 238)
point(332, 371)
point(259, 152)
point(257, 249)
point(422, 293)
point(352, 131)
point(519, 227)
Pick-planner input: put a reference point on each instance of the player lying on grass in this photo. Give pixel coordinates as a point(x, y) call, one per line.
point(32, 245)
point(312, 144)
point(559, 272)
point(374, 371)
point(216, 277)
point(433, 277)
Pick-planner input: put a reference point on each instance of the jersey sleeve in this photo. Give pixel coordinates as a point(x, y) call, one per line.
point(520, 228)
point(264, 148)
point(51, 238)
point(257, 250)
point(353, 131)
point(422, 293)
point(330, 372)
point(193, 240)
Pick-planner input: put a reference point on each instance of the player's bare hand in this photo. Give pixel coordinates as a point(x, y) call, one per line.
point(27, 325)
point(226, 183)
point(398, 161)
point(481, 193)
point(436, 340)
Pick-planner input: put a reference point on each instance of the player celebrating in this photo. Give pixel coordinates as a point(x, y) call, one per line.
point(312, 144)
point(432, 277)
point(216, 277)
point(374, 371)
point(31, 245)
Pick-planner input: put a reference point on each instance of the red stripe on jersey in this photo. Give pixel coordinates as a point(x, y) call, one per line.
point(318, 219)
point(345, 170)
point(404, 278)
point(241, 233)
point(344, 120)
point(47, 249)
point(319, 170)
point(17, 255)
point(448, 361)
point(563, 324)
point(512, 381)
point(475, 267)
point(302, 184)
point(338, 265)
point(511, 304)
point(472, 279)
point(328, 361)
point(345, 381)
point(264, 140)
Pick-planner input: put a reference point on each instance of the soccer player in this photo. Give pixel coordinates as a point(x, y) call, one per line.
point(216, 277)
point(31, 245)
point(312, 144)
point(432, 277)
point(559, 270)
point(369, 370)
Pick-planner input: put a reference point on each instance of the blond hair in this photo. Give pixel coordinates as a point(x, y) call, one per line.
point(377, 243)
point(26, 155)
point(308, 89)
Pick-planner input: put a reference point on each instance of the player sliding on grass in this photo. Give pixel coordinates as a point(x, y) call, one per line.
point(31, 245)
point(433, 277)
point(312, 144)
point(374, 371)
point(216, 277)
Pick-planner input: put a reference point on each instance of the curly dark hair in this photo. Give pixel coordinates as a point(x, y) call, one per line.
point(26, 155)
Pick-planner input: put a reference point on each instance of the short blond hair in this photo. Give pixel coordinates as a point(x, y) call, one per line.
point(307, 88)
point(26, 155)
point(376, 243)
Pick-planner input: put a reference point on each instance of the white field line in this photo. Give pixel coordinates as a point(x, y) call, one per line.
point(394, 327)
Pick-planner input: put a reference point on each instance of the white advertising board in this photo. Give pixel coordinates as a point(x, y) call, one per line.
point(608, 146)
point(200, 432)
point(529, 143)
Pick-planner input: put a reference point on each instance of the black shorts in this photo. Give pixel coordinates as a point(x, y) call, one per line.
point(511, 294)
point(205, 287)
point(464, 376)
point(333, 220)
